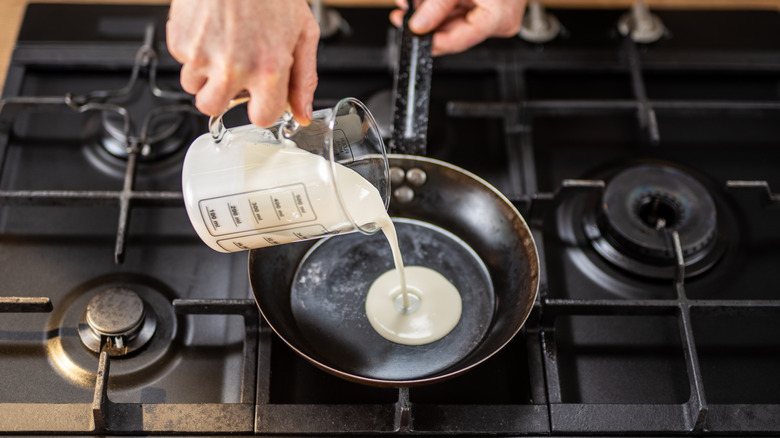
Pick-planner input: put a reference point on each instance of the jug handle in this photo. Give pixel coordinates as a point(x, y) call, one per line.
point(216, 127)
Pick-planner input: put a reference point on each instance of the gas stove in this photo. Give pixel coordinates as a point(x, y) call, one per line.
point(639, 145)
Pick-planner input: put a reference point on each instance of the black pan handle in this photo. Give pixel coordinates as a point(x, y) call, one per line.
point(411, 90)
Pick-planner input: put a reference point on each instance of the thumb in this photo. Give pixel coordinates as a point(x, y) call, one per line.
point(430, 14)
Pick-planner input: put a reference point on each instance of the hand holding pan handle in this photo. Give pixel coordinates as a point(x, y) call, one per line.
point(411, 90)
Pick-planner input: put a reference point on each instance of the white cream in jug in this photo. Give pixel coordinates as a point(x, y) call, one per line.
point(265, 192)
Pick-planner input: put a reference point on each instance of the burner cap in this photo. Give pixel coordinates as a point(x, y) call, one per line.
point(115, 311)
point(641, 203)
point(118, 317)
point(638, 210)
point(165, 134)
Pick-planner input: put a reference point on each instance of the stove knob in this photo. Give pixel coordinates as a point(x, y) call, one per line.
point(642, 26)
point(539, 26)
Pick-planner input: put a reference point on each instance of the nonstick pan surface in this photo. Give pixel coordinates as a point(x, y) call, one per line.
point(329, 291)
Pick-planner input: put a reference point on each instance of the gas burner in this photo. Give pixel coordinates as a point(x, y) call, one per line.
point(129, 316)
point(165, 126)
point(116, 320)
point(632, 223)
point(166, 129)
point(641, 25)
point(109, 153)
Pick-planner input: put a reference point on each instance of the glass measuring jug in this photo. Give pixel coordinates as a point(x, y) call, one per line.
point(247, 187)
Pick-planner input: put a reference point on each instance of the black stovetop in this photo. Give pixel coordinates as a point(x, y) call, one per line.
point(609, 347)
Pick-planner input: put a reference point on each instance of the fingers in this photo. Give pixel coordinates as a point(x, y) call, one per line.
point(172, 40)
point(192, 78)
point(460, 25)
point(268, 89)
point(267, 103)
point(397, 17)
point(497, 19)
point(223, 51)
point(303, 75)
point(456, 33)
point(180, 29)
point(216, 92)
point(430, 14)
point(463, 32)
point(457, 40)
point(469, 27)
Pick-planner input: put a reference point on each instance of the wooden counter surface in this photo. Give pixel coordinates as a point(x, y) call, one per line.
point(11, 12)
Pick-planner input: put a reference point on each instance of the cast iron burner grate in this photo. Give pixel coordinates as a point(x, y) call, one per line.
point(599, 326)
point(124, 322)
point(162, 132)
point(104, 416)
point(663, 339)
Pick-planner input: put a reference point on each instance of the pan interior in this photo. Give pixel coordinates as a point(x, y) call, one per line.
point(328, 302)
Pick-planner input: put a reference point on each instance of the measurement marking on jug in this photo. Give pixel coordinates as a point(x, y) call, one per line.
point(341, 146)
point(277, 207)
point(212, 215)
point(235, 214)
point(255, 209)
point(258, 240)
point(297, 202)
point(251, 211)
point(304, 204)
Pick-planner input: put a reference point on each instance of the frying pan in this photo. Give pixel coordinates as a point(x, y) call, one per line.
point(312, 294)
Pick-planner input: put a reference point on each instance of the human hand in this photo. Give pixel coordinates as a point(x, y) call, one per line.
point(460, 24)
point(267, 48)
